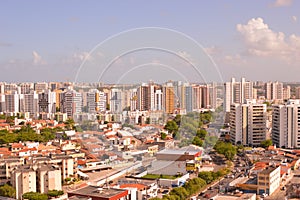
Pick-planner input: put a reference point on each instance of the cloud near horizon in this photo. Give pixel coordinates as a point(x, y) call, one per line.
point(37, 59)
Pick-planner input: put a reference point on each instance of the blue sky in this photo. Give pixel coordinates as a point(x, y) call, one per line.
point(48, 40)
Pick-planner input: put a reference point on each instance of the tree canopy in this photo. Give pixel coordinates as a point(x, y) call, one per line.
point(35, 196)
point(226, 149)
point(266, 143)
point(7, 191)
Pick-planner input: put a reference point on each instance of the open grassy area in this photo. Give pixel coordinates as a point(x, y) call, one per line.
point(156, 176)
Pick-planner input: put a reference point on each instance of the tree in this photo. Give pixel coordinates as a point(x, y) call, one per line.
point(207, 176)
point(201, 133)
point(197, 141)
point(171, 127)
point(7, 191)
point(70, 124)
point(148, 120)
point(55, 193)
point(227, 149)
point(35, 196)
point(180, 192)
point(163, 135)
point(177, 119)
point(266, 143)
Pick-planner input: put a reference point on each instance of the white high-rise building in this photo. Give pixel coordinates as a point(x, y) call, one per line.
point(286, 124)
point(248, 123)
point(274, 91)
point(237, 92)
point(158, 100)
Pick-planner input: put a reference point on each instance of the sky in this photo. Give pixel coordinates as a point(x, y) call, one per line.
point(109, 41)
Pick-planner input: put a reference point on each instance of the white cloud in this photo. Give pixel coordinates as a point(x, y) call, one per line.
point(37, 59)
point(280, 3)
point(81, 56)
point(294, 18)
point(262, 41)
point(233, 60)
point(213, 50)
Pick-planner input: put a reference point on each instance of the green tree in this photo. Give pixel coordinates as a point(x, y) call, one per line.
point(201, 133)
point(163, 135)
point(180, 192)
point(55, 193)
point(197, 141)
point(70, 124)
point(207, 176)
point(35, 196)
point(266, 143)
point(227, 149)
point(7, 191)
point(171, 127)
point(177, 119)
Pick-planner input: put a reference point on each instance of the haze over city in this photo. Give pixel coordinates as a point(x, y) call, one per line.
point(48, 41)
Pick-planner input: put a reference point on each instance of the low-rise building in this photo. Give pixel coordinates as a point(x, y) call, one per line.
point(268, 180)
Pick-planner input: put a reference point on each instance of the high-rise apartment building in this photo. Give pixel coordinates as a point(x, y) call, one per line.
point(29, 103)
point(71, 102)
point(286, 92)
point(169, 103)
point(248, 123)
point(47, 102)
point(96, 101)
point(237, 92)
point(116, 100)
point(286, 124)
point(12, 102)
point(146, 97)
point(274, 91)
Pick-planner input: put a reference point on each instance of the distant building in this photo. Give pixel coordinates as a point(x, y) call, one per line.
point(169, 98)
point(12, 102)
point(71, 102)
point(237, 92)
point(96, 101)
point(116, 101)
point(274, 91)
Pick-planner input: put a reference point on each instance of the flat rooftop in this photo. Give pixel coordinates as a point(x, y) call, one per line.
point(98, 192)
point(267, 170)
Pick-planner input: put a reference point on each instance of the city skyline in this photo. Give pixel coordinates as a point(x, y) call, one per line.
point(49, 41)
